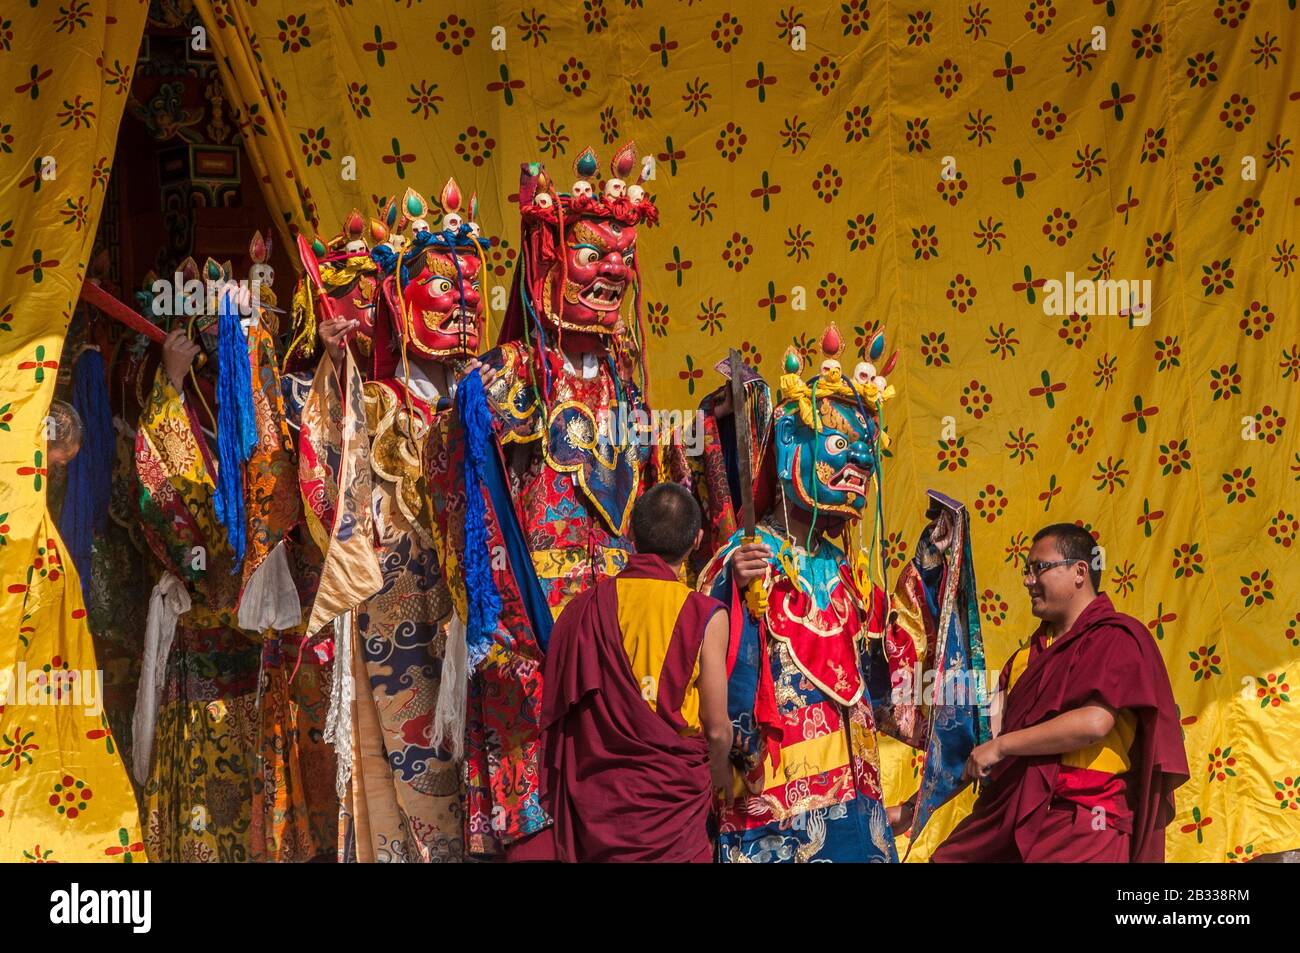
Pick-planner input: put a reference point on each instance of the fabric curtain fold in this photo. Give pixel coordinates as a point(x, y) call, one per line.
point(65, 81)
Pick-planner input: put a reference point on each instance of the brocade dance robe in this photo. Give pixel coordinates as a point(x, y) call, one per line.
point(295, 812)
point(811, 686)
point(402, 799)
point(228, 780)
point(296, 815)
point(1045, 808)
point(199, 795)
point(558, 504)
point(118, 598)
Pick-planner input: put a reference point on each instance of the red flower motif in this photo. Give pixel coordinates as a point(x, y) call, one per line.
point(1154, 144)
point(574, 76)
point(952, 454)
point(1205, 662)
point(990, 502)
point(934, 349)
point(1272, 691)
point(1222, 764)
point(925, 243)
point(951, 189)
point(1217, 276)
point(1269, 425)
point(1237, 112)
point(993, 607)
point(1248, 214)
point(975, 399)
point(454, 33)
point(1059, 227)
point(1146, 41)
point(825, 74)
point(961, 294)
point(1048, 121)
point(1039, 15)
point(1239, 485)
point(947, 77)
point(726, 32)
point(1079, 434)
point(731, 141)
point(1256, 588)
point(1231, 13)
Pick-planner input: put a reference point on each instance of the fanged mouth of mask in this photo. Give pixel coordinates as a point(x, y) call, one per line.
point(603, 295)
point(849, 479)
point(451, 322)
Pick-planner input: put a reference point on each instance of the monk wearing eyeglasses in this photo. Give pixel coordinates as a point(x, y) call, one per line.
point(1087, 749)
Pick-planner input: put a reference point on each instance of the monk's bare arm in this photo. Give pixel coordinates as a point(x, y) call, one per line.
point(1068, 731)
point(713, 699)
point(996, 707)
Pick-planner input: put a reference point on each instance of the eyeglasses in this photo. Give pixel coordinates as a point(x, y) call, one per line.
point(1035, 569)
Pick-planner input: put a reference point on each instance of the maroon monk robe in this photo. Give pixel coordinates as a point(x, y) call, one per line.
point(1106, 657)
point(620, 782)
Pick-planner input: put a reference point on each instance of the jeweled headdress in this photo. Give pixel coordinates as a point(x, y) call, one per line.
point(864, 385)
point(578, 258)
point(432, 301)
point(349, 277)
point(356, 237)
point(259, 252)
point(828, 427)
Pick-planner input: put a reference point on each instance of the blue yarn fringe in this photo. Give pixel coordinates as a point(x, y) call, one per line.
point(236, 426)
point(90, 472)
point(483, 600)
point(385, 258)
point(444, 241)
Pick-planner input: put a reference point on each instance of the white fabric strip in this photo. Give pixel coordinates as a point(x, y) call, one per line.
point(167, 603)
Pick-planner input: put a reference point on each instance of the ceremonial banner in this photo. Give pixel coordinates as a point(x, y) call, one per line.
point(957, 721)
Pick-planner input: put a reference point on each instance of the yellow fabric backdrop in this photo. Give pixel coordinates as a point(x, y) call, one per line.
point(64, 74)
point(803, 185)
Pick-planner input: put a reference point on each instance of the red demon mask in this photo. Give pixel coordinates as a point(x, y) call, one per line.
point(580, 246)
point(440, 306)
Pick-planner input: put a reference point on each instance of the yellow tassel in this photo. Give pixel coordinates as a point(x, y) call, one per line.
point(304, 320)
point(756, 591)
point(484, 270)
point(756, 598)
